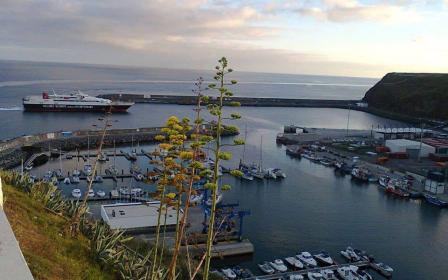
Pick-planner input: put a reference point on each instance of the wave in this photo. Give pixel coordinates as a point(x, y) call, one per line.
point(11, 109)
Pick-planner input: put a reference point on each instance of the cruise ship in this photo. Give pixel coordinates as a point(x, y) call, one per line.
point(75, 102)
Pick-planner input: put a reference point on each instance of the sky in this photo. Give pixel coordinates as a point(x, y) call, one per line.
point(365, 38)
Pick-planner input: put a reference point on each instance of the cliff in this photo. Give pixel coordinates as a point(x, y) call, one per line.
point(411, 94)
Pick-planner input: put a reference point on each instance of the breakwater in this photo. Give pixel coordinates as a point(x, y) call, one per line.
point(244, 101)
point(13, 151)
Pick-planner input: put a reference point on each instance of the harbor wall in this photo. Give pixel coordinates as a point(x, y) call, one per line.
point(13, 151)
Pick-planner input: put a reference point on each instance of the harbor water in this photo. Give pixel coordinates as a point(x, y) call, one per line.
point(312, 209)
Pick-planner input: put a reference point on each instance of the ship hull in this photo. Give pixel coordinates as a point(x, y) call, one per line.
point(118, 108)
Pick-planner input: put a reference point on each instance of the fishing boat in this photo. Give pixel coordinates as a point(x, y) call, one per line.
point(361, 174)
point(279, 265)
point(307, 259)
point(76, 193)
point(101, 193)
point(324, 258)
point(382, 268)
point(328, 274)
point(315, 276)
point(294, 262)
point(392, 189)
point(350, 254)
point(434, 200)
point(266, 268)
point(228, 273)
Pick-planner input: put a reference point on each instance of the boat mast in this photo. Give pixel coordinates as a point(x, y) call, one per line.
point(261, 153)
point(244, 146)
point(60, 161)
point(88, 148)
point(115, 153)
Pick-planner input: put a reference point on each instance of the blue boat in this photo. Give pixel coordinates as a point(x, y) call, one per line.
point(435, 200)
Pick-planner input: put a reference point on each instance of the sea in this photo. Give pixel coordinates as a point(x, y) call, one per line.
point(312, 209)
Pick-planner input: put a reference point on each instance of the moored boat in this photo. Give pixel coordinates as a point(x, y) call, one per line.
point(328, 274)
point(324, 258)
point(434, 200)
point(76, 193)
point(307, 259)
point(228, 273)
point(350, 254)
point(382, 268)
point(315, 276)
point(278, 265)
point(294, 262)
point(266, 268)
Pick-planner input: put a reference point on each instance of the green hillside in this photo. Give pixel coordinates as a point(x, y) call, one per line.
point(411, 94)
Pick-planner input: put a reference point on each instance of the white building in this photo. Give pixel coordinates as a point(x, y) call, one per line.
point(137, 217)
point(410, 147)
point(401, 133)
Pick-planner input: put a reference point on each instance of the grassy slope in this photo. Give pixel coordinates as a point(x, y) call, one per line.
point(411, 94)
point(48, 253)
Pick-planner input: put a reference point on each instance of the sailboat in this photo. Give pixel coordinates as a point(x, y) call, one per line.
point(88, 166)
point(242, 166)
point(67, 180)
point(112, 170)
point(256, 170)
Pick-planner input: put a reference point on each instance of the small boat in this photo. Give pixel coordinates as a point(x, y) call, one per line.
point(295, 277)
point(362, 274)
point(28, 167)
point(196, 198)
point(307, 259)
point(384, 181)
point(218, 199)
point(136, 191)
point(68, 156)
point(279, 265)
point(132, 156)
point(91, 193)
point(346, 273)
point(294, 262)
point(102, 157)
point(67, 181)
point(266, 268)
point(228, 273)
point(328, 274)
point(101, 193)
point(362, 254)
point(88, 169)
point(124, 191)
point(361, 174)
point(75, 180)
point(315, 276)
point(279, 173)
point(242, 273)
point(326, 162)
point(76, 172)
point(247, 176)
point(76, 193)
point(138, 176)
point(350, 254)
point(434, 200)
point(111, 170)
point(324, 258)
point(382, 268)
point(58, 173)
point(269, 173)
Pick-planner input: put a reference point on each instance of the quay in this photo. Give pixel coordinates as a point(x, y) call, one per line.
point(285, 275)
point(244, 101)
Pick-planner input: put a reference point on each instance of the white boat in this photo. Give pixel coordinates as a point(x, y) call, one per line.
point(294, 262)
point(279, 265)
point(228, 273)
point(269, 173)
point(382, 268)
point(67, 181)
point(88, 169)
point(266, 268)
point(295, 277)
point(101, 193)
point(58, 173)
point(138, 176)
point(76, 193)
point(307, 259)
point(247, 176)
point(112, 170)
point(346, 273)
point(218, 199)
point(350, 254)
point(328, 274)
point(136, 191)
point(75, 180)
point(76, 172)
point(361, 274)
point(196, 198)
point(279, 173)
point(124, 191)
point(315, 276)
point(91, 193)
point(384, 181)
point(324, 258)
point(28, 167)
point(102, 157)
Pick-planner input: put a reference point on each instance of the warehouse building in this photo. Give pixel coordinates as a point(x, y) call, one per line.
point(412, 148)
point(401, 133)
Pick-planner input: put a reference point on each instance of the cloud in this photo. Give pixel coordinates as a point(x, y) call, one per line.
point(353, 10)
